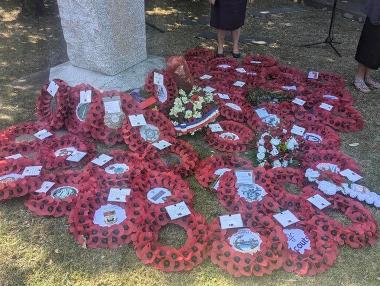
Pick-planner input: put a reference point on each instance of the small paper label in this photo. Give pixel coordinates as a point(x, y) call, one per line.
point(14, 157)
point(158, 195)
point(85, 96)
point(178, 210)
point(224, 66)
point(326, 106)
point(231, 221)
point(118, 195)
point(313, 75)
point(158, 79)
point(262, 113)
point(137, 120)
point(255, 62)
point(289, 88)
point(215, 127)
point(45, 187)
point(298, 130)
point(161, 145)
point(223, 96)
point(299, 101)
point(239, 83)
point(101, 160)
point(319, 201)
point(351, 175)
point(206, 77)
point(329, 96)
point(112, 104)
point(52, 88)
point(209, 89)
point(76, 156)
point(297, 240)
point(43, 134)
point(32, 171)
point(233, 106)
point(244, 177)
point(286, 218)
point(241, 70)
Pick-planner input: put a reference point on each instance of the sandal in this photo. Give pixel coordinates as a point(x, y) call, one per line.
point(372, 83)
point(361, 86)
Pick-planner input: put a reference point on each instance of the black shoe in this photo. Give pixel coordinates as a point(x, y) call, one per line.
point(236, 56)
point(219, 55)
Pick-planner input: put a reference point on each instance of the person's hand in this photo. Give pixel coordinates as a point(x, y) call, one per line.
point(212, 2)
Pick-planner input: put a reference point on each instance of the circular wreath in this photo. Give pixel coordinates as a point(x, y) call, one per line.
point(196, 68)
point(320, 137)
point(158, 127)
point(54, 153)
point(285, 83)
point(213, 167)
point(261, 196)
point(341, 118)
point(363, 229)
point(233, 109)
point(53, 109)
point(326, 79)
point(253, 76)
point(309, 260)
point(226, 65)
point(333, 94)
point(165, 95)
point(78, 112)
point(161, 189)
point(20, 139)
point(292, 72)
point(60, 199)
point(97, 223)
point(291, 176)
point(256, 250)
point(12, 183)
point(235, 137)
point(105, 127)
point(201, 55)
point(170, 259)
point(260, 61)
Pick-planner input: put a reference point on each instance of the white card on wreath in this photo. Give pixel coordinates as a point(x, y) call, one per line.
point(298, 130)
point(32, 171)
point(215, 127)
point(223, 96)
point(76, 156)
point(52, 88)
point(137, 120)
point(161, 145)
point(244, 177)
point(85, 96)
point(351, 175)
point(205, 77)
point(118, 195)
point(231, 221)
point(313, 75)
point(326, 106)
point(42, 134)
point(255, 62)
point(177, 210)
point(45, 187)
point(286, 218)
point(158, 79)
point(101, 160)
point(262, 113)
point(299, 101)
point(289, 88)
point(319, 201)
point(112, 105)
point(241, 70)
point(14, 157)
point(239, 83)
point(209, 89)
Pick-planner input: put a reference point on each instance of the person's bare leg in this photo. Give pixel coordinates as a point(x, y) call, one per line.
point(360, 76)
point(221, 36)
point(235, 40)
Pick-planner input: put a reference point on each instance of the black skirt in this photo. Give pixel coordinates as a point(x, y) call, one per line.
point(228, 15)
point(368, 52)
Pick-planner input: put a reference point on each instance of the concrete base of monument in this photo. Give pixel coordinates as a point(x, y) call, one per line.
point(132, 78)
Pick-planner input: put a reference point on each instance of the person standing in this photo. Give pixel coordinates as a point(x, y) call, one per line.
point(368, 51)
point(228, 15)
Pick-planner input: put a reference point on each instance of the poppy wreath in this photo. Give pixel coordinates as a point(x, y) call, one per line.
point(103, 128)
point(52, 110)
point(54, 154)
point(253, 76)
point(293, 113)
point(262, 196)
point(292, 72)
point(166, 99)
point(235, 137)
point(260, 61)
point(226, 65)
point(286, 83)
point(158, 127)
point(96, 222)
point(341, 118)
point(362, 231)
point(328, 80)
point(201, 55)
point(20, 139)
point(196, 68)
point(228, 89)
point(12, 183)
point(233, 109)
point(229, 249)
point(336, 96)
point(170, 259)
point(288, 176)
point(212, 167)
point(77, 119)
point(60, 199)
point(309, 260)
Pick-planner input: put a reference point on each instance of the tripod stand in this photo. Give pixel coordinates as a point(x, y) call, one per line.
point(330, 37)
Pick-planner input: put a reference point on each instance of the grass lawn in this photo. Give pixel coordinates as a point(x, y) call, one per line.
point(40, 251)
